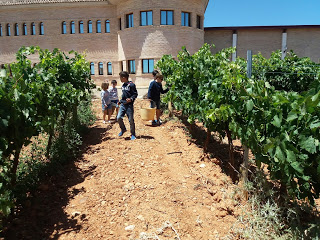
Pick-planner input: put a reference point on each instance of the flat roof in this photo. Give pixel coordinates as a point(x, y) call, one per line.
point(261, 27)
point(28, 2)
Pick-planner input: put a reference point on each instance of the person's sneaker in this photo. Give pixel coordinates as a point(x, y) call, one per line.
point(121, 133)
point(104, 122)
point(154, 123)
point(133, 137)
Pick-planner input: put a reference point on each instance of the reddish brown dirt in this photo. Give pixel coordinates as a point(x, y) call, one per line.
point(157, 186)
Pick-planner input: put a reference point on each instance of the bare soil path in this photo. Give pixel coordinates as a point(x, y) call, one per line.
point(155, 187)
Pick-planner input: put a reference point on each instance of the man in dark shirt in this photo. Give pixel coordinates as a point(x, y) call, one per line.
point(129, 94)
point(154, 91)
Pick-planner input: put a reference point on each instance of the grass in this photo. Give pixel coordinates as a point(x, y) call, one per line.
point(268, 214)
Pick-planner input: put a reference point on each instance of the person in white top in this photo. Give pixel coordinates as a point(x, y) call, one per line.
point(105, 101)
point(114, 97)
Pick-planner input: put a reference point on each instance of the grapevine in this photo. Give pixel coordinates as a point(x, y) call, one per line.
point(276, 117)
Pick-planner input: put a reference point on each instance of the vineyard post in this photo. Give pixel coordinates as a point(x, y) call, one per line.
point(249, 63)
point(170, 108)
point(246, 150)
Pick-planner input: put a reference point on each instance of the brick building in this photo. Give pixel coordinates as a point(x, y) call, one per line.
point(302, 39)
point(133, 34)
point(115, 34)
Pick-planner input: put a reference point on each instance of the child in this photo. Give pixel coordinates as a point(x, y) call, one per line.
point(114, 97)
point(129, 94)
point(154, 91)
point(154, 74)
point(105, 101)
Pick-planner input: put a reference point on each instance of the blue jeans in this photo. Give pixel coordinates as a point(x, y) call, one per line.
point(128, 110)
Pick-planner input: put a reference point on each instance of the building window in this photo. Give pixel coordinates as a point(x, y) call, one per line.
point(147, 65)
point(25, 29)
point(198, 21)
point(89, 26)
point(166, 18)
point(121, 63)
point(72, 28)
point(107, 26)
point(64, 28)
point(100, 68)
point(41, 29)
point(1, 34)
point(92, 68)
point(146, 18)
point(185, 19)
point(132, 66)
point(16, 29)
point(8, 30)
point(33, 28)
point(129, 18)
point(120, 24)
point(109, 68)
point(81, 27)
point(98, 26)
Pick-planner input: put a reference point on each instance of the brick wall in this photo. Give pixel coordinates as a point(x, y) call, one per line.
point(137, 43)
point(145, 42)
point(98, 47)
point(303, 40)
point(140, 42)
point(220, 38)
point(263, 41)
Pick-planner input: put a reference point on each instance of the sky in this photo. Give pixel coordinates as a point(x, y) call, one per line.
point(227, 13)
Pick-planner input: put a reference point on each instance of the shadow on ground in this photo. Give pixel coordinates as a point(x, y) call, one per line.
point(216, 149)
point(42, 215)
point(305, 223)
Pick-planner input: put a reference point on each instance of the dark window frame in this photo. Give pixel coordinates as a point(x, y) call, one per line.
point(199, 22)
point(129, 20)
point(147, 18)
point(166, 17)
point(100, 68)
point(81, 27)
point(149, 68)
point(72, 27)
point(92, 68)
point(16, 29)
point(90, 30)
point(98, 26)
point(186, 19)
point(41, 25)
point(24, 29)
point(64, 27)
point(107, 26)
point(109, 68)
point(121, 63)
point(132, 66)
point(8, 30)
point(33, 28)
